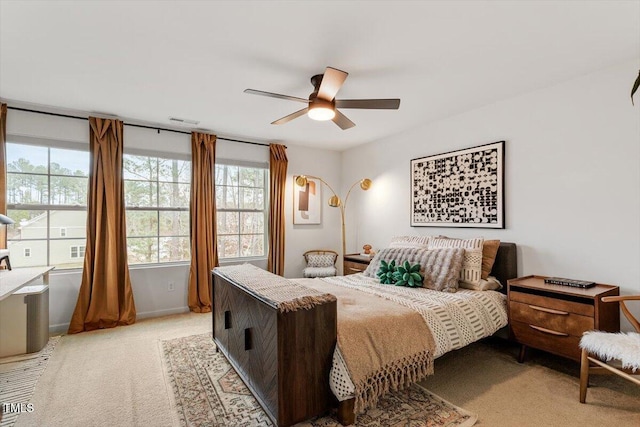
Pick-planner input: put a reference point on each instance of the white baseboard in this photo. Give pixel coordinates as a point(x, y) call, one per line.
point(62, 328)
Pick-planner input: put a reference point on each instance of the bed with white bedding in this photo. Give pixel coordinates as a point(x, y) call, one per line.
point(455, 319)
point(451, 320)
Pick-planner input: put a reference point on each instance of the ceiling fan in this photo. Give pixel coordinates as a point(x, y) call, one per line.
point(322, 104)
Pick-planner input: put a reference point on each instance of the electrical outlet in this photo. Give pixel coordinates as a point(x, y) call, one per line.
point(171, 287)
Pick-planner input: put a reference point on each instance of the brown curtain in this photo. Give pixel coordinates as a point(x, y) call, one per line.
point(3, 172)
point(204, 254)
point(278, 178)
point(105, 299)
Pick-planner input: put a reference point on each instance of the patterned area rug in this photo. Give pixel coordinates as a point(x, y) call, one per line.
point(19, 376)
point(208, 392)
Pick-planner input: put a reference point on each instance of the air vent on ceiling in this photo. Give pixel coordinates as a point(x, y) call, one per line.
point(183, 122)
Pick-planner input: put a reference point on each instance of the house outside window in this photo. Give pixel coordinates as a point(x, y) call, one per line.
point(46, 193)
point(156, 189)
point(241, 204)
point(77, 251)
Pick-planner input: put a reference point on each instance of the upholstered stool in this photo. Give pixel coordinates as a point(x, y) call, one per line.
point(320, 263)
point(4, 255)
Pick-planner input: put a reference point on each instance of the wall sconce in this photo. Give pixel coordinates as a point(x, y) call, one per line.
point(336, 202)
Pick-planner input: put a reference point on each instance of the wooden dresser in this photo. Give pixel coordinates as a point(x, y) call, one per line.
point(283, 358)
point(554, 317)
point(355, 263)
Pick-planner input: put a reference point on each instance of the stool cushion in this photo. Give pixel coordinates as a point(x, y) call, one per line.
point(319, 271)
point(4, 253)
point(623, 346)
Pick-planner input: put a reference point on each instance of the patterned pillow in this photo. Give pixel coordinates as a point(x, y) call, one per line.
point(442, 269)
point(410, 242)
point(317, 260)
point(471, 272)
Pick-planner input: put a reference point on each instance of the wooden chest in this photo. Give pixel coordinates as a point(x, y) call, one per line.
point(283, 358)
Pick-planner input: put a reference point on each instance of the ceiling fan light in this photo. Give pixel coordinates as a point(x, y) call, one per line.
point(321, 113)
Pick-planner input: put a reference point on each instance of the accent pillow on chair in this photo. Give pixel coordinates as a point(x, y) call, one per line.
point(317, 260)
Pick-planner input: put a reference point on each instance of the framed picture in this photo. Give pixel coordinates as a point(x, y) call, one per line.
point(462, 188)
point(307, 202)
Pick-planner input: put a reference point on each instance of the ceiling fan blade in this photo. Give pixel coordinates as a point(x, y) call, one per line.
point(342, 121)
point(290, 117)
point(372, 104)
point(275, 95)
point(332, 81)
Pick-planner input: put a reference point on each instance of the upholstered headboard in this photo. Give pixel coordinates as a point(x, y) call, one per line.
point(506, 264)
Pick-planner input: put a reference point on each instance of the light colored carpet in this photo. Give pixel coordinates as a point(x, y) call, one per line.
point(110, 377)
point(114, 377)
point(208, 392)
point(543, 391)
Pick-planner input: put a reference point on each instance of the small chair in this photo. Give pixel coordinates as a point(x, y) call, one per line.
point(600, 347)
point(320, 263)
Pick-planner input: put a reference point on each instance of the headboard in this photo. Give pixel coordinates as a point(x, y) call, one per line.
point(506, 265)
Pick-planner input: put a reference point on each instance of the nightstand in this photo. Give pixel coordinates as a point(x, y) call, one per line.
point(355, 263)
point(554, 317)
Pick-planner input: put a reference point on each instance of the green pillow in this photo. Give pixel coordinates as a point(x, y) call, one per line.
point(408, 275)
point(386, 272)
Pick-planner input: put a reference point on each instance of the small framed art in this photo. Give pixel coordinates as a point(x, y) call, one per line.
point(307, 202)
point(463, 188)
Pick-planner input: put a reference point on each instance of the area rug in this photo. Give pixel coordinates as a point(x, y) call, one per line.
point(19, 376)
point(208, 392)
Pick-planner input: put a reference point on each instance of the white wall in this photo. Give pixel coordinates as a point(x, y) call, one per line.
point(150, 283)
point(301, 238)
point(572, 177)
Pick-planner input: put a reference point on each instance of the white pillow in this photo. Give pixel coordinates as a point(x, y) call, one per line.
point(471, 273)
point(421, 242)
point(317, 260)
point(488, 284)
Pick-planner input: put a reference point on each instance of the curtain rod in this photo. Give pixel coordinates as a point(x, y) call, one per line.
point(134, 125)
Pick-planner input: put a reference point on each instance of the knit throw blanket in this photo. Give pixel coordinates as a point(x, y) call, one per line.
point(385, 345)
point(282, 293)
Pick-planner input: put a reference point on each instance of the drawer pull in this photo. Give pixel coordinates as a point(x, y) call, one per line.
point(248, 343)
point(549, 331)
point(549, 310)
point(355, 269)
point(227, 319)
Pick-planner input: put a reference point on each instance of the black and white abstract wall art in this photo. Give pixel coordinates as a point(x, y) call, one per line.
point(463, 188)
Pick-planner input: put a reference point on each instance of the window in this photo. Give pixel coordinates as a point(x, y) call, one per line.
point(241, 210)
point(77, 251)
point(46, 193)
point(156, 193)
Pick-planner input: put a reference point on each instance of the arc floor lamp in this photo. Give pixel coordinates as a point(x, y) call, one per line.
point(336, 202)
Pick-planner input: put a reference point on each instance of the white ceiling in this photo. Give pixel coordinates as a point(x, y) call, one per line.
point(148, 60)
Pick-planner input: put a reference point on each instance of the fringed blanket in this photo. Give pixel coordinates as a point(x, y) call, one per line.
point(285, 294)
point(385, 345)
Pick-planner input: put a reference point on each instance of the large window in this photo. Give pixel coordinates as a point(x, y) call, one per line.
point(157, 206)
point(47, 199)
point(241, 212)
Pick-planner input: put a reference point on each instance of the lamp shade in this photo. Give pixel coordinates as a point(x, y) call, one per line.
point(5, 219)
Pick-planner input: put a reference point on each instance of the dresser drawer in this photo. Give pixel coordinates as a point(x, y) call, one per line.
point(546, 339)
point(550, 318)
point(554, 303)
point(354, 267)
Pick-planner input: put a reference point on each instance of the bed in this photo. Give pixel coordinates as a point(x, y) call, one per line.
point(470, 316)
